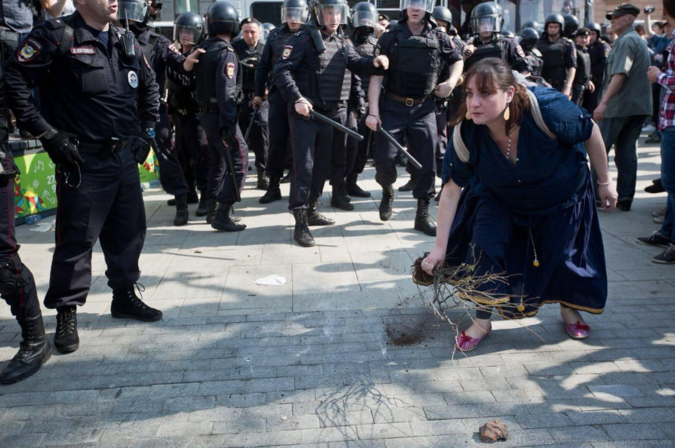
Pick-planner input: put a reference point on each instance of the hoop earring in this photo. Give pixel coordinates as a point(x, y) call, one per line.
point(507, 112)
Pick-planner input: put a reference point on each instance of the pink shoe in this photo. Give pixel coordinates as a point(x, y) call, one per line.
point(467, 343)
point(578, 330)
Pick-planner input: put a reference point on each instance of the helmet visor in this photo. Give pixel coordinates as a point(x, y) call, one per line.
point(187, 35)
point(424, 5)
point(485, 25)
point(294, 15)
point(332, 14)
point(364, 18)
point(134, 11)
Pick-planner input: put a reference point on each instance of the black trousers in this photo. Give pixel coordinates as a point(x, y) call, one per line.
point(343, 151)
point(417, 126)
point(192, 150)
point(365, 148)
point(442, 134)
point(17, 285)
point(578, 91)
point(312, 148)
point(221, 186)
point(108, 205)
point(170, 171)
point(279, 133)
point(258, 140)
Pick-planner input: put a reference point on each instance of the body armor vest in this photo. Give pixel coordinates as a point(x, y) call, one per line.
point(535, 61)
point(249, 59)
point(181, 90)
point(583, 74)
point(205, 72)
point(492, 49)
point(554, 70)
point(366, 49)
point(413, 72)
point(331, 73)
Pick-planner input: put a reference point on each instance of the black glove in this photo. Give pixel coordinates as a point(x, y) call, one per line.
point(140, 145)
point(228, 136)
point(61, 149)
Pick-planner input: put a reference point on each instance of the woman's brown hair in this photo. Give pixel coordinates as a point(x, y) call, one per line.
point(669, 7)
point(494, 74)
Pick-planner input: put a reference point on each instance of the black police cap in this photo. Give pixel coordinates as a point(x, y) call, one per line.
point(623, 9)
point(582, 32)
point(383, 17)
point(249, 20)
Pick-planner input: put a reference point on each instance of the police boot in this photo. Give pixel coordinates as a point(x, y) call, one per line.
point(409, 186)
point(273, 191)
point(182, 212)
point(301, 233)
point(438, 196)
point(262, 183)
point(203, 207)
point(422, 220)
point(232, 217)
point(127, 305)
point(353, 189)
point(339, 199)
point(224, 223)
point(314, 218)
point(192, 198)
point(387, 202)
point(66, 339)
point(213, 207)
point(34, 351)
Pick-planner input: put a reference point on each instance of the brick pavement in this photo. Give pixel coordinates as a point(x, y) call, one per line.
point(309, 364)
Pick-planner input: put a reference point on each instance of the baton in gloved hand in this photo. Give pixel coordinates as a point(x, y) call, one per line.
point(398, 146)
point(250, 125)
point(230, 167)
point(336, 125)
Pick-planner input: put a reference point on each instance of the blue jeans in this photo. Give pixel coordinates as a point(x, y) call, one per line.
point(668, 180)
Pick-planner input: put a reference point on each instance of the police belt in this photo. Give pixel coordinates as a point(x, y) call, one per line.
point(338, 105)
point(410, 102)
point(108, 146)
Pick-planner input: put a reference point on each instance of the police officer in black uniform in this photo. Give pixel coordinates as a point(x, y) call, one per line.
point(487, 20)
point(98, 107)
point(160, 53)
point(528, 38)
point(311, 74)
point(249, 50)
point(582, 79)
point(219, 81)
point(293, 14)
point(191, 146)
point(598, 50)
point(559, 55)
point(406, 108)
point(571, 26)
point(17, 285)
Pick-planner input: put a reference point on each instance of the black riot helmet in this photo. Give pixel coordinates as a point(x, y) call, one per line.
point(571, 25)
point(527, 38)
point(189, 29)
point(364, 15)
point(555, 18)
point(442, 13)
point(487, 17)
point(296, 11)
point(595, 27)
point(266, 29)
point(508, 33)
point(424, 5)
point(534, 25)
point(334, 7)
point(222, 18)
point(135, 11)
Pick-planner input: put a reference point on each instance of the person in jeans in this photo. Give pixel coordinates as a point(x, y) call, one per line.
point(665, 237)
point(626, 99)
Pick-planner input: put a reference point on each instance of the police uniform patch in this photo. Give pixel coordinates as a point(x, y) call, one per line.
point(287, 52)
point(82, 50)
point(230, 70)
point(28, 52)
point(132, 77)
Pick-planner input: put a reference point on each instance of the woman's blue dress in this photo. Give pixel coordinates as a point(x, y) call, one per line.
point(546, 199)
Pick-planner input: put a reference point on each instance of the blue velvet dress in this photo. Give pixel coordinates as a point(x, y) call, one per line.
point(543, 203)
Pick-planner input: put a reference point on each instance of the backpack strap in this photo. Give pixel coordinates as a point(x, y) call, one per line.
point(460, 148)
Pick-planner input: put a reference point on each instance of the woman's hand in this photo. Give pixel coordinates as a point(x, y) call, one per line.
point(435, 258)
point(608, 196)
point(373, 121)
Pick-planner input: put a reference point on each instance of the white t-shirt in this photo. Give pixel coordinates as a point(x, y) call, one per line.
point(68, 9)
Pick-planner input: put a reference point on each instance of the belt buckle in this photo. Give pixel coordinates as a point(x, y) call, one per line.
point(410, 102)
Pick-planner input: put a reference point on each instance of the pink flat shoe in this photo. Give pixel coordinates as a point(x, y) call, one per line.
point(578, 330)
point(467, 343)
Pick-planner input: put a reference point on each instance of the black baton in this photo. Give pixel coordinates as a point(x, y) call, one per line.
point(336, 125)
point(250, 125)
point(398, 146)
point(230, 166)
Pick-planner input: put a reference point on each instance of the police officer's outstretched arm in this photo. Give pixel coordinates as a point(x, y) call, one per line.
point(365, 65)
point(517, 58)
point(226, 91)
point(292, 57)
point(452, 55)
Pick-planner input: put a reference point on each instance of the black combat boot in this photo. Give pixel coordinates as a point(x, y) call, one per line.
point(127, 305)
point(422, 220)
point(387, 202)
point(339, 199)
point(223, 222)
point(192, 198)
point(203, 207)
point(182, 212)
point(314, 218)
point(66, 339)
point(213, 207)
point(353, 189)
point(262, 183)
point(409, 186)
point(273, 191)
point(232, 217)
point(301, 233)
point(34, 351)
point(438, 196)
point(287, 178)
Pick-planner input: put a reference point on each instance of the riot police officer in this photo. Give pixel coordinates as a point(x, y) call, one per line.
point(97, 114)
point(582, 79)
point(265, 31)
point(219, 81)
point(528, 38)
point(159, 52)
point(598, 50)
point(571, 26)
point(311, 74)
point(407, 107)
point(293, 14)
point(249, 50)
point(17, 285)
point(487, 20)
point(191, 146)
point(559, 55)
